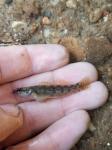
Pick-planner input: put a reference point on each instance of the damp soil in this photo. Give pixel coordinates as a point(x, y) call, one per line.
point(85, 28)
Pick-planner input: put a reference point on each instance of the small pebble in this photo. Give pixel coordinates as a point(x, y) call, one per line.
point(47, 32)
point(1, 3)
point(92, 128)
point(46, 21)
point(98, 49)
point(31, 7)
point(71, 4)
point(105, 18)
point(108, 144)
point(34, 27)
point(8, 2)
point(54, 2)
point(95, 15)
point(64, 32)
point(47, 13)
point(16, 25)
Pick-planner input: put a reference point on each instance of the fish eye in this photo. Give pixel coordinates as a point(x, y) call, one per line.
point(24, 91)
point(29, 91)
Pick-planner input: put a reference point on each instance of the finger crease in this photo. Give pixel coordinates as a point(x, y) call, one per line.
point(30, 60)
point(54, 145)
point(1, 74)
point(62, 108)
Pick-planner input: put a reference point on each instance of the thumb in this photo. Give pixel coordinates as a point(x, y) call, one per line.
point(11, 118)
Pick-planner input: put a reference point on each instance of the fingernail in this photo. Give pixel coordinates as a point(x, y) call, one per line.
point(11, 119)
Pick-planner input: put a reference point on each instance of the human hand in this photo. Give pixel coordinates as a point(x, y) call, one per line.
point(56, 124)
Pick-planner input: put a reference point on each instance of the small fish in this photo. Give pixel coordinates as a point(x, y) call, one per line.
point(41, 92)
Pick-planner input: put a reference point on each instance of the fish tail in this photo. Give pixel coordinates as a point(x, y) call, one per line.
point(83, 84)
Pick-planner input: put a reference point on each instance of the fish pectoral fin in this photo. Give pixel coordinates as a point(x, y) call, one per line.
point(40, 98)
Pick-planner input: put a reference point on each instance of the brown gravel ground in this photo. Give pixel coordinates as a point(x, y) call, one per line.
point(85, 28)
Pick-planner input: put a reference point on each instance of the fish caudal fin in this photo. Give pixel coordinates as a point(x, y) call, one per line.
point(83, 84)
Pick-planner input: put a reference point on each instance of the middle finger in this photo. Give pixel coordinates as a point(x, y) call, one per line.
point(72, 74)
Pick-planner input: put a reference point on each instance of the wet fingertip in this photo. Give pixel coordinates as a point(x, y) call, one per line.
point(100, 93)
point(104, 92)
point(84, 117)
point(62, 53)
point(92, 69)
point(59, 54)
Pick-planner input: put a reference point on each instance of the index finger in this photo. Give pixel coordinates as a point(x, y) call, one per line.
point(17, 62)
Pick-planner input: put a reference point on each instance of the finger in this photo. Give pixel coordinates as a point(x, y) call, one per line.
point(37, 116)
point(72, 73)
point(11, 119)
point(62, 135)
point(17, 62)
point(92, 97)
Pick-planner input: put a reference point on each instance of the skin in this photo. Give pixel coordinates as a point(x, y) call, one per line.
point(56, 124)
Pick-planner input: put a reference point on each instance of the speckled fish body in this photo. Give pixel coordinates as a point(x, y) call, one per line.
point(49, 91)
